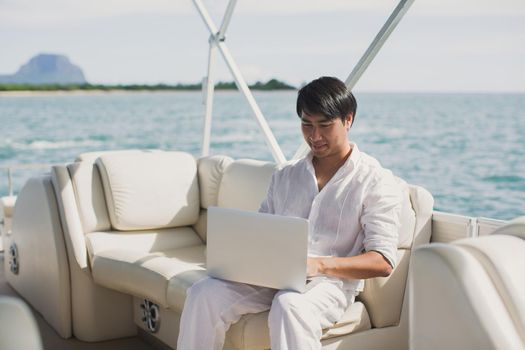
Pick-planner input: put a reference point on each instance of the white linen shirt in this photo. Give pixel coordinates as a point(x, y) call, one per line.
point(358, 210)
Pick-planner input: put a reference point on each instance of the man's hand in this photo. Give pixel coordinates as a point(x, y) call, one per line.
point(313, 267)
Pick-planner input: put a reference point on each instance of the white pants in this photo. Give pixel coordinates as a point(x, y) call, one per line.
point(295, 321)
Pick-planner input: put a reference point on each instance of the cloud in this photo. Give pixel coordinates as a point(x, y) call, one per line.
point(434, 7)
point(253, 72)
point(469, 8)
point(55, 12)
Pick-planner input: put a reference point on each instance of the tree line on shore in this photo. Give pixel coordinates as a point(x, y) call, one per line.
point(272, 84)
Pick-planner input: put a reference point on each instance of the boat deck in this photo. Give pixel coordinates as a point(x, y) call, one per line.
point(52, 340)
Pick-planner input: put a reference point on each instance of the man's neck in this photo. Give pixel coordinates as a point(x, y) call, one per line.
point(326, 167)
point(332, 161)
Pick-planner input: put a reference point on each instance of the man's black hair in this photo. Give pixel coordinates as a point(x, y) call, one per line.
point(327, 96)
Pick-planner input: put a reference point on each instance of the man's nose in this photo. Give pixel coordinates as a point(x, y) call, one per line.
point(316, 134)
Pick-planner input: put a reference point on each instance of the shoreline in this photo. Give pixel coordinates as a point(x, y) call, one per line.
point(23, 93)
point(80, 92)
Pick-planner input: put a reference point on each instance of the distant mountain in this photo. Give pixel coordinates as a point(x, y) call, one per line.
point(46, 69)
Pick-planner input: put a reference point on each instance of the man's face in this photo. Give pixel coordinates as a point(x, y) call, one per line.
point(326, 137)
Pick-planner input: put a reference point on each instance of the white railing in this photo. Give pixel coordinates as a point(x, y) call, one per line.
point(8, 169)
point(447, 227)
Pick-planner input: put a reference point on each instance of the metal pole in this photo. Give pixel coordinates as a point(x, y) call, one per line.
point(210, 89)
point(9, 182)
point(245, 90)
point(239, 80)
point(376, 45)
point(378, 42)
point(226, 20)
point(205, 17)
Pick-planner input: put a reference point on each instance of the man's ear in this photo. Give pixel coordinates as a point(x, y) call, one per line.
point(349, 120)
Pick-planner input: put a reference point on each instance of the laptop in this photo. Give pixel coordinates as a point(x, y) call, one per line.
point(255, 248)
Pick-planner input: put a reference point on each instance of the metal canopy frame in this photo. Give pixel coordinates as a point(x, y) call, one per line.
point(217, 41)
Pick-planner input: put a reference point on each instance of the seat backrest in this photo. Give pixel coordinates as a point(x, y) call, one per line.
point(150, 190)
point(469, 294)
point(384, 296)
point(244, 184)
point(223, 182)
point(210, 171)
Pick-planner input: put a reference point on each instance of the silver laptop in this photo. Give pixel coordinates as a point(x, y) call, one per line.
point(260, 249)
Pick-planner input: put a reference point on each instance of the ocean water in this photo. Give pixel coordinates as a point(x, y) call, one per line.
point(468, 150)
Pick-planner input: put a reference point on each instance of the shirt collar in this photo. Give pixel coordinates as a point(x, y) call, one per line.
point(354, 159)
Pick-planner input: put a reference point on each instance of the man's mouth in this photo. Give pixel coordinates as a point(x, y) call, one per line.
point(318, 146)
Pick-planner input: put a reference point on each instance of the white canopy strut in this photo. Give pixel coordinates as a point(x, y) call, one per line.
point(217, 41)
point(378, 42)
point(376, 45)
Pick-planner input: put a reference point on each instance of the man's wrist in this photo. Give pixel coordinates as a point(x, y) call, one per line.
point(321, 266)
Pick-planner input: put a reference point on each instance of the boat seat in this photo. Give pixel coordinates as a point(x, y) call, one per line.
point(469, 294)
point(134, 228)
point(378, 306)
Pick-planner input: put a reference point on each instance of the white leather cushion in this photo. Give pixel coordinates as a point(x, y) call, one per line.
point(383, 296)
point(149, 190)
point(142, 241)
point(244, 184)
point(92, 156)
point(515, 227)
point(503, 258)
point(210, 175)
point(423, 205)
point(89, 196)
point(181, 282)
point(251, 331)
point(468, 294)
point(201, 226)
point(408, 222)
point(18, 327)
point(145, 275)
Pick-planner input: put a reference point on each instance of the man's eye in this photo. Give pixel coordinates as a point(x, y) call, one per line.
point(307, 125)
point(325, 125)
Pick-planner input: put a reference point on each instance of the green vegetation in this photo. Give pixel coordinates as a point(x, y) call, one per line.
point(272, 84)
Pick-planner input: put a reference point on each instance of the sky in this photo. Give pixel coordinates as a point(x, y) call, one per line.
point(440, 45)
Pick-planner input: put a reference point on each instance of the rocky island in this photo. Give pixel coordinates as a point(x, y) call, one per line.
point(52, 72)
point(46, 69)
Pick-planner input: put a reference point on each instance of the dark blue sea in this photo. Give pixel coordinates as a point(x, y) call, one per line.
point(468, 150)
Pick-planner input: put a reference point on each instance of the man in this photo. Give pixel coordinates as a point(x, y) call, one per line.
point(353, 206)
